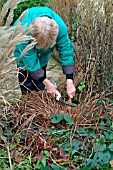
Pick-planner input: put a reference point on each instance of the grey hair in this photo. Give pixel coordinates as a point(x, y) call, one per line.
point(45, 31)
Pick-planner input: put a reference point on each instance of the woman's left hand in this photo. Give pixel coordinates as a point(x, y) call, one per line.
point(70, 88)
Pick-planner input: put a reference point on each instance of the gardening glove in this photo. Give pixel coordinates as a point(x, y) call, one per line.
point(51, 88)
point(70, 88)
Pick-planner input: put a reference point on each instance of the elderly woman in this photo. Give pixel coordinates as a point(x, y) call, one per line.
point(50, 31)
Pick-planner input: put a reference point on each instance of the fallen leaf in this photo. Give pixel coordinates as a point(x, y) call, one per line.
point(18, 159)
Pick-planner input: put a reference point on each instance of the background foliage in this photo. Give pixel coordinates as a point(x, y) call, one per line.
point(28, 4)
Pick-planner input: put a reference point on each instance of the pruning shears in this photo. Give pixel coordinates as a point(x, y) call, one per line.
point(60, 99)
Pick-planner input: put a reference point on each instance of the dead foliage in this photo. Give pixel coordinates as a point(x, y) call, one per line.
point(37, 107)
point(93, 36)
point(9, 37)
point(94, 40)
point(65, 8)
point(43, 105)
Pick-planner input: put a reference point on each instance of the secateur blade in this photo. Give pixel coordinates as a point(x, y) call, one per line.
point(60, 99)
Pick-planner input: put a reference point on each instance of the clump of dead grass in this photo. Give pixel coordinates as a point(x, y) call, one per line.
point(9, 37)
point(37, 107)
point(8, 8)
point(94, 37)
point(93, 46)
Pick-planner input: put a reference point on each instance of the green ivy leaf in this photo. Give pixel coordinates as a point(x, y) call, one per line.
point(55, 167)
point(101, 140)
point(46, 152)
point(74, 146)
point(108, 121)
point(87, 162)
point(112, 125)
point(56, 118)
point(111, 138)
point(3, 153)
point(99, 147)
point(68, 119)
point(60, 132)
point(12, 146)
point(100, 158)
point(106, 135)
point(4, 138)
point(66, 146)
point(111, 101)
point(37, 165)
point(102, 124)
point(82, 82)
point(82, 131)
point(110, 147)
point(111, 155)
point(44, 168)
point(95, 161)
point(99, 102)
point(81, 87)
point(74, 99)
point(104, 157)
point(44, 160)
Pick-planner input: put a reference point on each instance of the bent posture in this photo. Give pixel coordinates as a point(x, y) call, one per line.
point(50, 31)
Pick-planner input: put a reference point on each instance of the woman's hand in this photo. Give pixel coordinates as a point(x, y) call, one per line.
point(51, 88)
point(70, 88)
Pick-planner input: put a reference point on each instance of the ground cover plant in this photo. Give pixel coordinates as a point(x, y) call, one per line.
point(59, 138)
point(38, 132)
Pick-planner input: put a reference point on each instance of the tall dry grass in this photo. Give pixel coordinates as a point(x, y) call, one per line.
point(95, 37)
point(93, 48)
point(9, 37)
point(65, 9)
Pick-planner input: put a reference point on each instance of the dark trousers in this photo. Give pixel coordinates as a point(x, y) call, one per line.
point(27, 84)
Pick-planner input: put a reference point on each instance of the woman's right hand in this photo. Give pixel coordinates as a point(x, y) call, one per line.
point(51, 88)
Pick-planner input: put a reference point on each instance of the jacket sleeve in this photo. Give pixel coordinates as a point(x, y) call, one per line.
point(29, 61)
point(66, 50)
